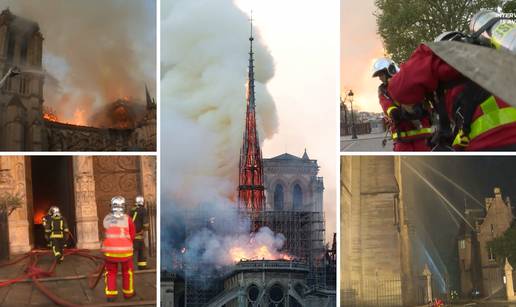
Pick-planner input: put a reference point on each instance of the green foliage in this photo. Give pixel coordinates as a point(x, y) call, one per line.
point(505, 245)
point(510, 7)
point(404, 24)
point(10, 202)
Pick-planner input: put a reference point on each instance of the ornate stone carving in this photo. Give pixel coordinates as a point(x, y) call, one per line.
point(85, 202)
point(19, 226)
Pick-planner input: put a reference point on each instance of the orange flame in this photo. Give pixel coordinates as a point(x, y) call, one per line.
point(49, 114)
point(79, 117)
point(50, 117)
point(258, 253)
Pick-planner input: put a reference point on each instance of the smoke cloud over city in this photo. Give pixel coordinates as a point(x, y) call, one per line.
point(204, 72)
point(94, 52)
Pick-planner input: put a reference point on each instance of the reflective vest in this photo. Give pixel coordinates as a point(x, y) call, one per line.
point(492, 117)
point(117, 242)
point(57, 228)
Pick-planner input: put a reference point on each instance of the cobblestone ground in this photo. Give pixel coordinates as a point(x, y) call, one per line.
point(366, 142)
point(70, 283)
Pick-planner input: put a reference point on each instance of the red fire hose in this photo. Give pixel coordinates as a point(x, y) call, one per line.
point(34, 272)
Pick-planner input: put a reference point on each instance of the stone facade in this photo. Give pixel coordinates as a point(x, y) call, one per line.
point(88, 208)
point(22, 123)
point(291, 184)
point(479, 268)
point(270, 283)
point(374, 233)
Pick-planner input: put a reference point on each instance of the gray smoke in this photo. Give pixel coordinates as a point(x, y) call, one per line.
point(204, 71)
point(94, 51)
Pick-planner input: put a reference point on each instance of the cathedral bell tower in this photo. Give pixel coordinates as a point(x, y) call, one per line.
point(21, 97)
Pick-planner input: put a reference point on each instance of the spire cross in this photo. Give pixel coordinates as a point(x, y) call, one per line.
point(251, 21)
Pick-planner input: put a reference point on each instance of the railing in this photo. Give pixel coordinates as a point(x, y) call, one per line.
point(373, 292)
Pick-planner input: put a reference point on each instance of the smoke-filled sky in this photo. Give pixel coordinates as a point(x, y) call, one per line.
point(94, 51)
point(204, 59)
point(303, 40)
point(360, 46)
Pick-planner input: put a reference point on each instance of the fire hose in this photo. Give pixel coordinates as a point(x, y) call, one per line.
point(34, 272)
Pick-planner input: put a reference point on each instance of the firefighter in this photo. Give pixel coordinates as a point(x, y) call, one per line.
point(470, 118)
point(410, 127)
point(46, 225)
point(57, 231)
point(117, 247)
point(140, 219)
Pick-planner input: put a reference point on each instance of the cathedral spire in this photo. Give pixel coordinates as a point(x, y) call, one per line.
point(251, 194)
point(250, 78)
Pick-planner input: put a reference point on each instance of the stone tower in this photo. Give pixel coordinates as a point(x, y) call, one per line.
point(375, 252)
point(21, 98)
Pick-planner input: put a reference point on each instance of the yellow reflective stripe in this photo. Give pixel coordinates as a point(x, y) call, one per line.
point(115, 292)
point(493, 117)
point(412, 133)
point(461, 139)
point(389, 110)
point(142, 263)
point(130, 290)
point(118, 255)
point(54, 235)
point(134, 215)
point(61, 224)
point(106, 290)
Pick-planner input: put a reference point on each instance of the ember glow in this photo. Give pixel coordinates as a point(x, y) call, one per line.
point(262, 252)
point(49, 115)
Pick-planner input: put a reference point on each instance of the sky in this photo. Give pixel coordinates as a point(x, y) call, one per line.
point(360, 46)
point(304, 86)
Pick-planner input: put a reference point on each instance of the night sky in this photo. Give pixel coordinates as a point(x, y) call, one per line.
point(435, 230)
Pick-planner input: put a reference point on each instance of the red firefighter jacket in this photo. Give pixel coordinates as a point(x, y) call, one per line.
point(405, 130)
point(494, 121)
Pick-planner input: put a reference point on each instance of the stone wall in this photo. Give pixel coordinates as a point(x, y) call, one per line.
point(371, 245)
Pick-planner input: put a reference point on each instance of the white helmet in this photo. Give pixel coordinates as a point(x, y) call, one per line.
point(481, 19)
point(384, 64)
point(54, 211)
point(118, 206)
point(139, 200)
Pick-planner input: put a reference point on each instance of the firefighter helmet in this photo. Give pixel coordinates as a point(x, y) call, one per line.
point(118, 206)
point(483, 19)
point(490, 27)
point(139, 200)
point(54, 211)
point(385, 65)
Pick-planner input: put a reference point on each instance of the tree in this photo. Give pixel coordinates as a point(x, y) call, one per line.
point(505, 245)
point(404, 24)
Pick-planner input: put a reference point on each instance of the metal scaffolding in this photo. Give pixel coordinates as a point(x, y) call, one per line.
point(304, 234)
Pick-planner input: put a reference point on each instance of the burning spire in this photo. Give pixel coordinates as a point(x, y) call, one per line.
point(251, 195)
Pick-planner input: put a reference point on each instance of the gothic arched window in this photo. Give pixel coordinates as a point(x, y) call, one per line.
point(278, 197)
point(297, 197)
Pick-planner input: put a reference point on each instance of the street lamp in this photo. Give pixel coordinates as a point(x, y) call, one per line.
point(353, 127)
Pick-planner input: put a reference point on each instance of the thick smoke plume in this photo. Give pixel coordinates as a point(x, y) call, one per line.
point(204, 71)
point(94, 52)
